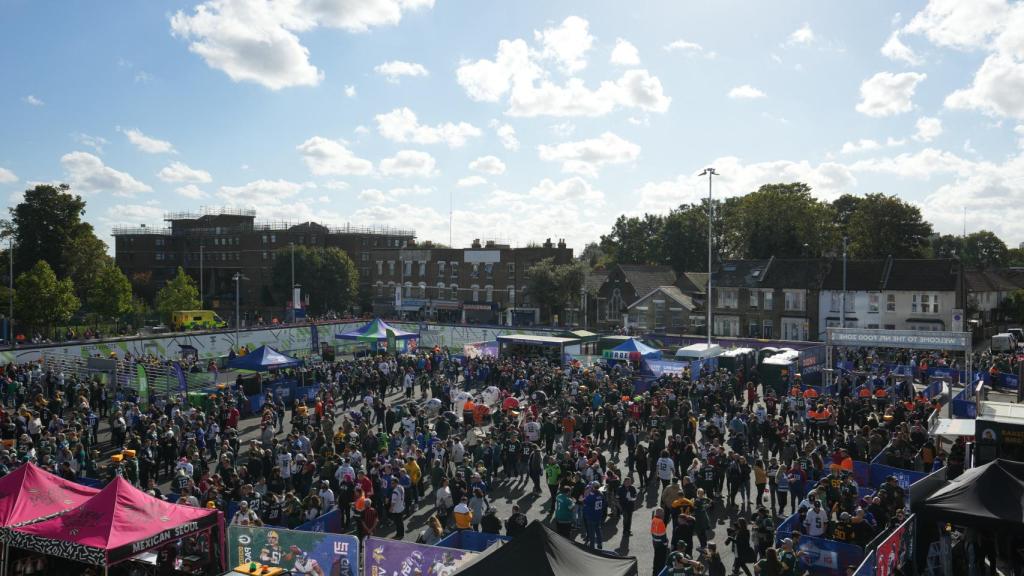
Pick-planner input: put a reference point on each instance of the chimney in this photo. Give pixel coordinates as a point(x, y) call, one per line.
point(561, 243)
point(476, 243)
point(547, 243)
point(490, 243)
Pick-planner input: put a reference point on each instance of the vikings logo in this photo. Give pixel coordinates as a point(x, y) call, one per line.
point(378, 555)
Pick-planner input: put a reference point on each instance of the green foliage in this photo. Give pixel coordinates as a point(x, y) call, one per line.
point(982, 249)
point(1013, 307)
point(41, 299)
point(110, 295)
point(44, 224)
point(327, 275)
point(887, 226)
point(554, 286)
point(180, 293)
point(781, 220)
point(634, 240)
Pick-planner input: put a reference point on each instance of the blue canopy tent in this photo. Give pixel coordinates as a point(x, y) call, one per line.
point(633, 349)
point(263, 359)
point(378, 332)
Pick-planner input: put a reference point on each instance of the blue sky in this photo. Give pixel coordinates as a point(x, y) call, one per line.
point(539, 119)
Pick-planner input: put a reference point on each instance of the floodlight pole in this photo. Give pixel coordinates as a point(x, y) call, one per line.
point(709, 172)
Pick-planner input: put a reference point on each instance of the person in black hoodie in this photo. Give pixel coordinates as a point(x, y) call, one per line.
point(739, 537)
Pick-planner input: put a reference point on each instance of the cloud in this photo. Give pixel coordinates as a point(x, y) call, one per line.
point(997, 89)
point(95, 142)
point(491, 165)
point(567, 44)
point(625, 53)
point(350, 91)
point(471, 181)
point(922, 165)
point(375, 196)
point(7, 176)
point(257, 41)
point(408, 164)
point(87, 174)
point(928, 129)
point(270, 193)
point(746, 92)
point(401, 125)
point(957, 24)
point(802, 35)
point(395, 69)
point(888, 94)
point(325, 157)
point(33, 101)
point(895, 49)
point(517, 72)
point(507, 135)
point(179, 172)
point(862, 145)
point(684, 46)
point(190, 191)
point(588, 156)
point(141, 213)
point(147, 144)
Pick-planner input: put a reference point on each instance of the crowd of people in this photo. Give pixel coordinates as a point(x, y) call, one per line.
point(386, 436)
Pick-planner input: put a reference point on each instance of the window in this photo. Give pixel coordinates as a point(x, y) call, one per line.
point(511, 268)
point(795, 300)
point(273, 238)
point(440, 291)
point(890, 305)
point(364, 257)
point(407, 290)
point(614, 305)
point(659, 314)
point(794, 328)
point(727, 297)
point(935, 304)
point(266, 255)
point(407, 267)
point(754, 329)
point(454, 291)
point(677, 320)
point(489, 270)
point(264, 238)
point(766, 329)
point(159, 241)
point(476, 292)
point(440, 267)
point(423, 290)
point(488, 293)
point(380, 289)
point(834, 301)
point(475, 272)
point(391, 267)
point(753, 298)
point(455, 269)
point(769, 297)
point(160, 256)
point(423, 267)
point(873, 302)
point(380, 267)
point(511, 296)
point(727, 326)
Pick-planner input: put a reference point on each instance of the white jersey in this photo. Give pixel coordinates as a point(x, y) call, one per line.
point(306, 566)
point(816, 522)
point(666, 468)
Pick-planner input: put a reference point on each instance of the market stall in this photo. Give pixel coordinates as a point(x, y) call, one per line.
point(380, 335)
point(121, 522)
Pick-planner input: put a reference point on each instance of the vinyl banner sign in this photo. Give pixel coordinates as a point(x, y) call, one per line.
point(896, 551)
point(383, 557)
point(856, 337)
point(315, 553)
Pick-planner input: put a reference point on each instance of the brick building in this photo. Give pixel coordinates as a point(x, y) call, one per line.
point(223, 242)
point(482, 284)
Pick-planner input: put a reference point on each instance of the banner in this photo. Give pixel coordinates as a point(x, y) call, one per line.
point(879, 472)
point(812, 362)
point(315, 553)
point(862, 473)
point(391, 341)
point(330, 522)
point(918, 340)
point(897, 550)
point(867, 567)
point(140, 375)
point(182, 381)
point(661, 367)
point(314, 340)
point(822, 556)
point(471, 540)
point(383, 557)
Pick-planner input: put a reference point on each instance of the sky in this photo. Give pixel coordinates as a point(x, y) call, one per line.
point(528, 120)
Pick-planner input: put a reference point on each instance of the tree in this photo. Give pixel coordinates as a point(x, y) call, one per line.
point(782, 220)
point(327, 275)
point(887, 226)
point(843, 209)
point(554, 286)
point(41, 300)
point(110, 294)
point(684, 238)
point(180, 293)
point(44, 223)
point(983, 249)
point(1015, 257)
point(633, 240)
point(593, 255)
point(84, 257)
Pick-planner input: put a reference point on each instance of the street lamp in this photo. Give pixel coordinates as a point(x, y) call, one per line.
point(709, 172)
point(10, 297)
point(238, 277)
point(842, 311)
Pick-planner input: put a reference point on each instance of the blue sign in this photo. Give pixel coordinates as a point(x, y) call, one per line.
point(822, 556)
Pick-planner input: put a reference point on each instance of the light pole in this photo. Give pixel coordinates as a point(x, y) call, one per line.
point(842, 311)
point(202, 294)
point(709, 172)
point(292, 245)
point(238, 277)
point(10, 297)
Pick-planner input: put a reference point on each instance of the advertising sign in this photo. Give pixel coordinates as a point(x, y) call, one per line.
point(143, 386)
point(895, 551)
point(315, 553)
point(823, 556)
point(383, 557)
point(856, 337)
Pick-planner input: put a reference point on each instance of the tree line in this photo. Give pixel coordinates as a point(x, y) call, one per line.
point(786, 221)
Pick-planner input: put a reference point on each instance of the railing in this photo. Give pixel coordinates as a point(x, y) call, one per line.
point(139, 230)
point(211, 211)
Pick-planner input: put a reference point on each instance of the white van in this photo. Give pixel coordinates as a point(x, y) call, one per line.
point(1004, 342)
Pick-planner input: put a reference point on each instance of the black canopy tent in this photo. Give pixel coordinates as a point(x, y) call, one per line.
point(539, 551)
point(989, 496)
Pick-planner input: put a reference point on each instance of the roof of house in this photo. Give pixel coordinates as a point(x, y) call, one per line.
point(861, 275)
point(672, 292)
point(934, 275)
point(693, 282)
point(594, 279)
point(805, 273)
point(739, 273)
point(647, 278)
point(988, 281)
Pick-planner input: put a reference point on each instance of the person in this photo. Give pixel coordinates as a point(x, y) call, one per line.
point(594, 512)
point(396, 510)
point(665, 468)
point(739, 537)
point(769, 565)
point(789, 558)
point(490, 522)
point(564, 512)
point(463, 515)
point(816, 520)
point(516, 523)
point(627, 502)
point(712, 560)
point(432, 533)
point(659, 539)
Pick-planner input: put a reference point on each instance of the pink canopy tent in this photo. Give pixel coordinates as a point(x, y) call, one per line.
point(119, 522)
point(30, 493)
